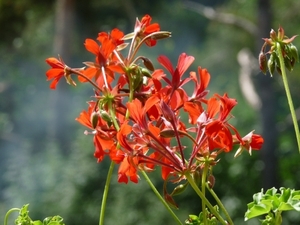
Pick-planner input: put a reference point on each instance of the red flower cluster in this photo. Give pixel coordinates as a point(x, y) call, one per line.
point(136, 115)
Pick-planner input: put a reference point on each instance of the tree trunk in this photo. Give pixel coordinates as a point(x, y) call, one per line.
point(59, 129)
point(269, 105)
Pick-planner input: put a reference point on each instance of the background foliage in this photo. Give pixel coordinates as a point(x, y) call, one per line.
point(45, 159)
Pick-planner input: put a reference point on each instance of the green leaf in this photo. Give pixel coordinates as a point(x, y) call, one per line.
point(273, 202)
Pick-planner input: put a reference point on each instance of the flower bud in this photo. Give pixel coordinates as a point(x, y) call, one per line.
point(146, 72)
point(138, 79)
point(160, 35)
point(280, 33)
point(148, 64)
point(262, 58)
point(273, 35)
point(271, 66)
point(105, 116)
point(179, 189)
point(167, 133)
point(94, 119)
point(211, 181)
point(288, 64)
point(294, 52)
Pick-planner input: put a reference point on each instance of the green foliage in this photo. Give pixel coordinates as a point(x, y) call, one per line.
point(198, 220)
point(24, 219)
point(273, 203)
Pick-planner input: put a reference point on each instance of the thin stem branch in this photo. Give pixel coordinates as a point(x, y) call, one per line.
point(8, 213)
point(203, 198)
point(161, 198)
point(288, 94)
point(222, 207)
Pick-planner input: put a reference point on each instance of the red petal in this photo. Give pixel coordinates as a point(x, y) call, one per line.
point(184, 62)
point(54, 73)
point(91, 46)
point(164, 61)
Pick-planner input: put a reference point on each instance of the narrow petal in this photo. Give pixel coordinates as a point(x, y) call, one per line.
point(91, 46)
point(184, 62)
point(164, 61)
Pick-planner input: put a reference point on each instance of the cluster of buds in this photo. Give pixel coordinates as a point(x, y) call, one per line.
point(135, 117)
point(288, 50)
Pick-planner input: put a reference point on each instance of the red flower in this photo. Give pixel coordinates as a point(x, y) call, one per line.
point(103, 135)
point(59, 69)
point(105, 63)
point(250, 142)
point(127, 169)
point(177, 96)
point(144, 28)
point(219, 130)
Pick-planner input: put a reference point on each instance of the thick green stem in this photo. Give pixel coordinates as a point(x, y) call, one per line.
point(278, 218)
point(161, 198)
point(220, 204)
point(8, 213)
point(288, 94)
point(203, 198)
point(105, 193)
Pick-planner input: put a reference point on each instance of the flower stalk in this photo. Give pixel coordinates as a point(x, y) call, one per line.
point(288, 93)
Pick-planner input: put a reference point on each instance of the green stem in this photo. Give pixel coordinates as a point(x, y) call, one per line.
point(203, 182)
point(203, 198)
point(288, 94)
point(220, 204)
point(105, 193)
point(161, 198)
point(278, 218)
point(8, 213)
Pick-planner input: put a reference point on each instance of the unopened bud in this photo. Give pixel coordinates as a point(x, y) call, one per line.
point(211, 181)
point(179, 189)
point(94, 119)
point(262, 58)
point(105, 116)
point(161, 35)
point(288, 63)
point(146, 72)
point(294, 52)
point(273, 35)
point(148, 64)
point(271, 66)
point(280, 33)
point(167, 133)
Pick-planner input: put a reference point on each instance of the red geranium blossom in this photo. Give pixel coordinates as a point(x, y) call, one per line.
point(103, 134)
point(176, 95)
point(59, 69)
point(144, 27)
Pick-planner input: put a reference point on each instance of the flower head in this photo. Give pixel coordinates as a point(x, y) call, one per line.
point(59, 69)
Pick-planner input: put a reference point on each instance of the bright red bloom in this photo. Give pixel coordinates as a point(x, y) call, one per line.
point(105, 61)
point(139, 112)
point(127, 169)
point(177, 96)
point(144, 28)
point(250, 142)
point(219, 130)
point(58, 70)
point(103, 135)
point(200, 88)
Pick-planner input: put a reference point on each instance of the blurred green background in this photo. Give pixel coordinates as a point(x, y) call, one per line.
point(47, 161)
